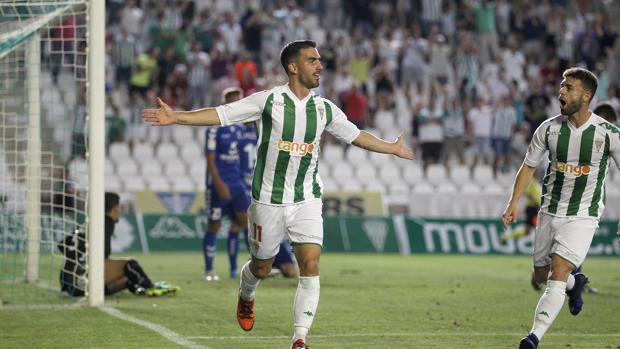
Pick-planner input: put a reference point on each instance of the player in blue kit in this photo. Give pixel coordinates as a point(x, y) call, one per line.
point(226, 189)
point(248, 137)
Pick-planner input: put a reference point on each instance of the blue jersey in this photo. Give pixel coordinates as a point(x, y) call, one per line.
point(223, 141)
point(247, 152)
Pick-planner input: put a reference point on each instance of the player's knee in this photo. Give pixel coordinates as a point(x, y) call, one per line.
point(560, 272)
point(289, 270)
point(309, 267)
point(260, 270)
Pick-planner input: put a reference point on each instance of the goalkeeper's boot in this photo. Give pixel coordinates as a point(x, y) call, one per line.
point(575, 301)
point(529, 342)
point(300, 344)
point(155, 292)
point(171, 290)
point(245, 313)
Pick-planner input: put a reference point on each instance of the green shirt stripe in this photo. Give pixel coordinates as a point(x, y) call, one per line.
point(261, 154)
point(328, 112)
point(316, 188)
point(561, 156)
point(548, 172)
point(288, 133)
point(309, 137)
point(602, 169)
point(585, 158)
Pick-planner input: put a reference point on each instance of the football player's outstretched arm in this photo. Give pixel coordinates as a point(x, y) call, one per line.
point(524, 176)
point(164, 116)
point(368, 141)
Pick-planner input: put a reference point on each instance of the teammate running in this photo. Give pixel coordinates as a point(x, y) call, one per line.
point(579, 144)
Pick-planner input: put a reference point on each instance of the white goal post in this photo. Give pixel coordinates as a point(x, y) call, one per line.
point(52, 148)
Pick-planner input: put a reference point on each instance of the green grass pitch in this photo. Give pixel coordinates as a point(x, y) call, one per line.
point(367, 301)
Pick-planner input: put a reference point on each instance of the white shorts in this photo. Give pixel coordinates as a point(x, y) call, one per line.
point(567, 237)
point(269, 225)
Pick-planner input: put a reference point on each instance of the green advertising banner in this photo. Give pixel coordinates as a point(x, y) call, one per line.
point(367, 234)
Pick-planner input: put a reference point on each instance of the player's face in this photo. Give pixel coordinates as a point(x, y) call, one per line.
point(572, 96)
point(309, 67)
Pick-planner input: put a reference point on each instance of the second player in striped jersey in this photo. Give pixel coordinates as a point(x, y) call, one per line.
point(580, 145)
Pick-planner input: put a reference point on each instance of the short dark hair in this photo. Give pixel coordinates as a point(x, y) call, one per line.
point(606, 111)
point(587, 78)
point(291, 51)
point(111, 201)
point(230, 92)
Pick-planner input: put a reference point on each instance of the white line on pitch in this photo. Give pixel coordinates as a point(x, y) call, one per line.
point(161, 330)
point(448, 334)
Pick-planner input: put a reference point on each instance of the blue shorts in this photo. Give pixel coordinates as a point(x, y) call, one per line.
point(217, 207)
point(501, 146)
point(284, 256)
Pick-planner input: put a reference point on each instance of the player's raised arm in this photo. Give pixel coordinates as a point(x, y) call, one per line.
point(164, 116)
point(370, 142)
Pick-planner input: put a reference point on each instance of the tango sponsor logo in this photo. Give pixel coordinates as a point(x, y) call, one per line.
point(296, 149)
point(573, 170)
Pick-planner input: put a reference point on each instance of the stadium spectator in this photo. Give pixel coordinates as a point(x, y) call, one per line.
point(199, 80)
point(131, 18)
point(300, 215)
point(480, 116)
point(536, 105)
point(484, 12)
point(144, 72)
point(355, 105)
point(125, 51)
point(454, 132)
point(503, 126)
point(384, 87)
point(115, 125)
point(430, 113)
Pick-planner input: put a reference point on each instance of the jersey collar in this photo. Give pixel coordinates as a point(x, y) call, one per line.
point(294, 97)
point(585, 124)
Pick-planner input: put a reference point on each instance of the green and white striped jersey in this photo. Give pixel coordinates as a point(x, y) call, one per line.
point(289, 132)
point(574, 184)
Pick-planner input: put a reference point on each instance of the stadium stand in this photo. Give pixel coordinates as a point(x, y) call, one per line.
point(416, 75)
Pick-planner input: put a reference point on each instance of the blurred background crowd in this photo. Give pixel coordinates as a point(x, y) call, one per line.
point(468, 80)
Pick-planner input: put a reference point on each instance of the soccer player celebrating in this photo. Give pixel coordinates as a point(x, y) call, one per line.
point(226, 189)
point(579, 144)
point(286, 187)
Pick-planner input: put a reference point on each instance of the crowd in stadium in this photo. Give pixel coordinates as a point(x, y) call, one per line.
point(471, 80)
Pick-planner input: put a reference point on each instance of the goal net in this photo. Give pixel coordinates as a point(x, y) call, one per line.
point(44, 165)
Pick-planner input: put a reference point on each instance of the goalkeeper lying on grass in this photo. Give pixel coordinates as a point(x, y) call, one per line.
point(120, 273)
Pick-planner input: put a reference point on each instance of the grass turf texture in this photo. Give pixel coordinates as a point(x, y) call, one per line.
point(367, 301)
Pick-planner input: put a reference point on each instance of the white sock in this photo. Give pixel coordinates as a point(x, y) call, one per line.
point(570, 282)
point(304, 307)
point(549, 307)
point(249, 283)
